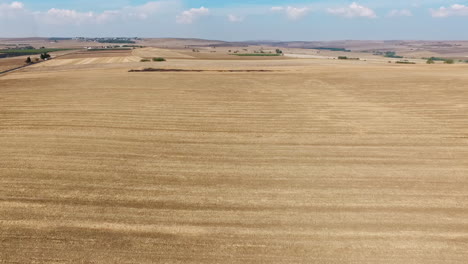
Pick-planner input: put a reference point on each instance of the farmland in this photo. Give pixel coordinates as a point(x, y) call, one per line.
point(23, 52)
point(256, 54)
point(215, 160)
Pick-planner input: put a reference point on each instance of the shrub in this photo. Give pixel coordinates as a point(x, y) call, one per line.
point(159, 59)
point(45, 56)
point(449, 61)
point(144, 60)
point(430, 61)
point(342, 58)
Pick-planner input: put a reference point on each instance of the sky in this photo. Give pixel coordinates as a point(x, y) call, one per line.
point(238, 20)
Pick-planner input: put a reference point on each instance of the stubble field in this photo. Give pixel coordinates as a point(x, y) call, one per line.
point(314, 162)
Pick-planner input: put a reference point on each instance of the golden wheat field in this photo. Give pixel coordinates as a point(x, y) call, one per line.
point(315, 161)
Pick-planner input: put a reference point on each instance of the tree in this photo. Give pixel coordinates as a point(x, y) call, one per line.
point(45, 56)
point(28, 60)
point(430, 61)
point(278, 51)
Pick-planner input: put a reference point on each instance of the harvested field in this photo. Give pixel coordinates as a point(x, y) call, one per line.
point(155, 52)
point(189, 70)
point(99, 54)
point(329, 162)
point(86, 61)
point(224, 55)
point(10, 63)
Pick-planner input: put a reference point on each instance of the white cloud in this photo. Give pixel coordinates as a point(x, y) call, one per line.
point(56, 16)
point(293, 13)
point(277, 8)
point(148, 9)
point(11, 11)
point(17, 5)
point(454, 10)
point(400, 13)
point(65, 16)
point(235, 19)
point(190, 16)
point(353, 10)
point(14, 6)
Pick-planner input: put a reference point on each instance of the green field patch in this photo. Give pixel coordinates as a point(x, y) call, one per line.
point(332, 49)
point(109, 49)
point(29, 51)
point(24, 52)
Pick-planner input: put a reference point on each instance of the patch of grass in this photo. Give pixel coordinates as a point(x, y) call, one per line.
point(159, 59)
point(257, 54)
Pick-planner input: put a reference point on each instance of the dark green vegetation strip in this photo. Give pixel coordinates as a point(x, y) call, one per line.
point(332, 49)
point(109, 49)
point(21, 52)
point(405, 62)
point(118, 41)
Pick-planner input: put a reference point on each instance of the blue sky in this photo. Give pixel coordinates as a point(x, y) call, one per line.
point(238, 20)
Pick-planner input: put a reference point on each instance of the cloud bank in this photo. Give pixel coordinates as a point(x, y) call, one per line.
point(293, 13)
point(182, 18)
point(453, 10)
point(190, 16)
point(353, 10)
